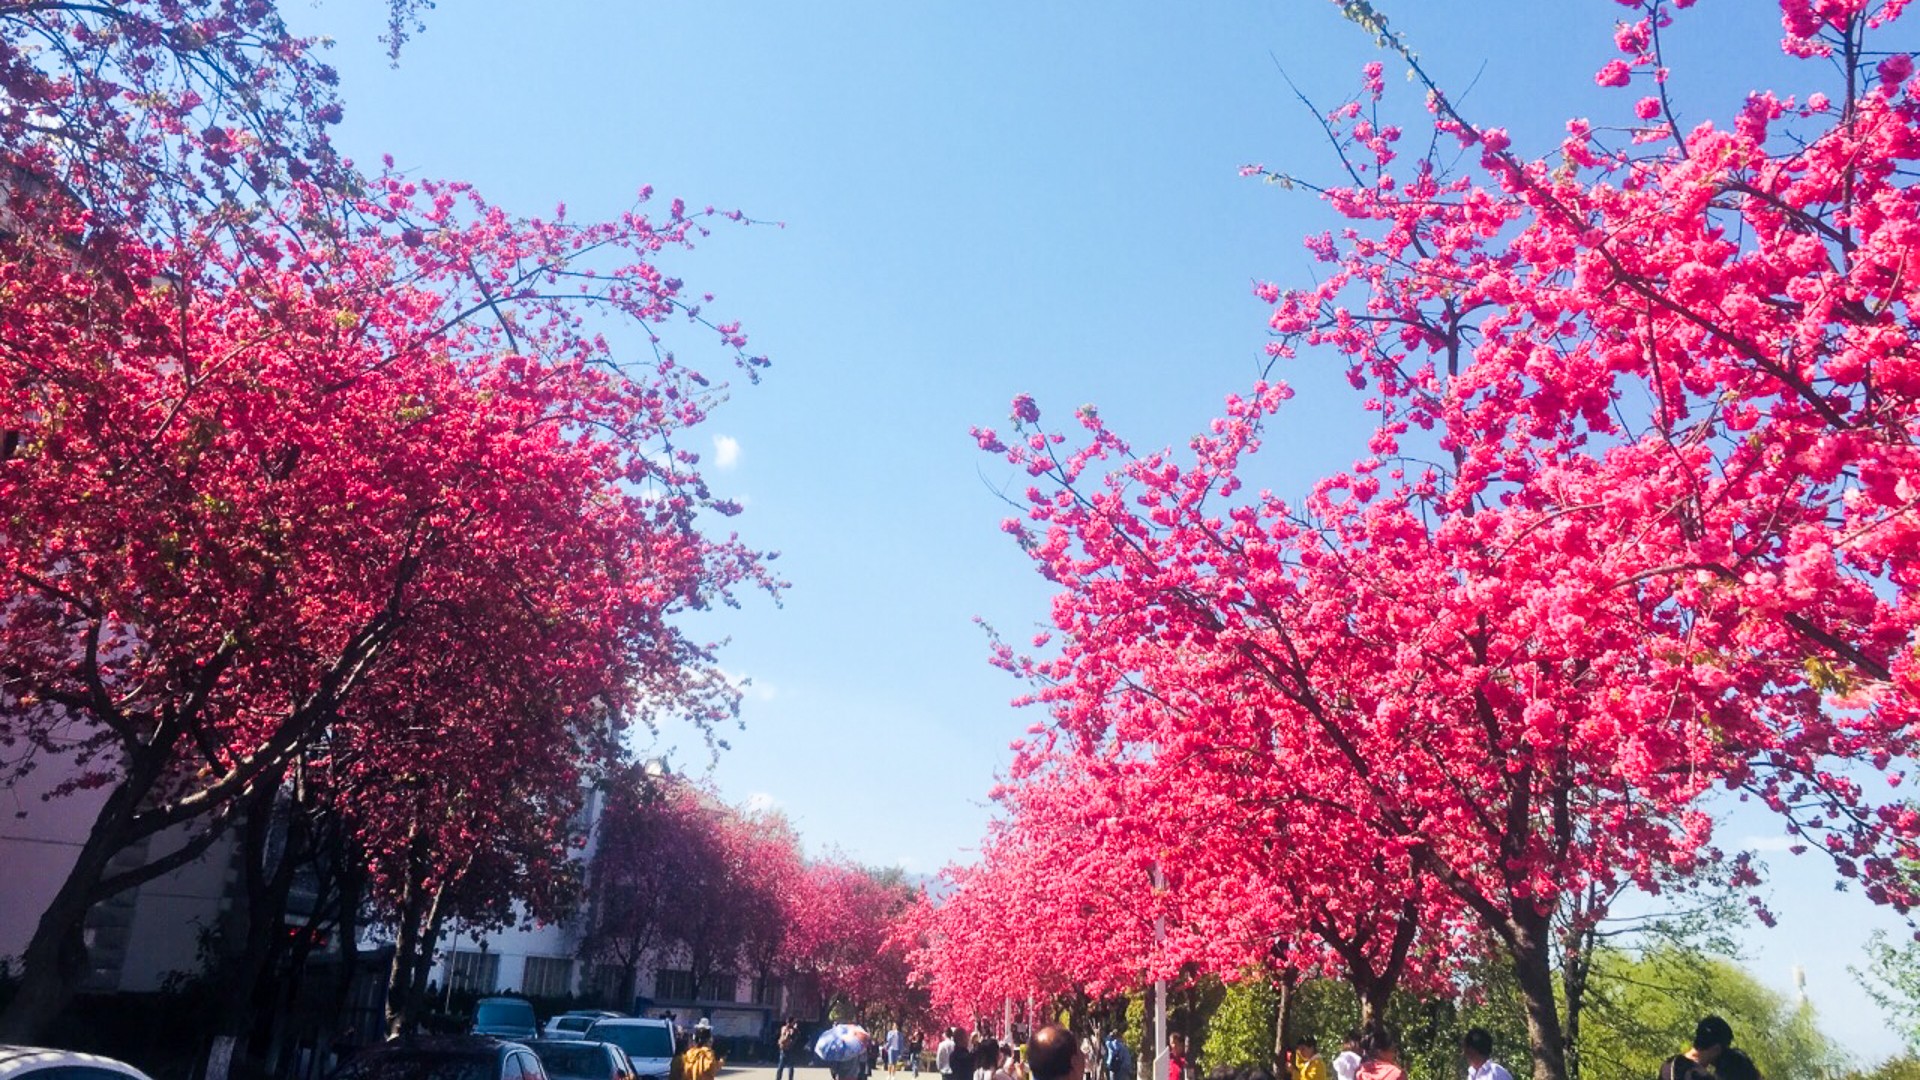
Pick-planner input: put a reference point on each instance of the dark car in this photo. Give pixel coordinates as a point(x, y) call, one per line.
point(506, 1017)
point(451, 1057)
point(577, 1059)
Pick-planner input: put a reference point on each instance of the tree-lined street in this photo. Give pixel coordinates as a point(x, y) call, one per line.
point(1519, 625)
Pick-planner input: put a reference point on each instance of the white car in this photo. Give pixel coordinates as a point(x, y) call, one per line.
point(572, 1025)
point(40, 1063)
point(649, 1043)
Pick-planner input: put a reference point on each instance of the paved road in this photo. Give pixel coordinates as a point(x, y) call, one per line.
point(809, 1072)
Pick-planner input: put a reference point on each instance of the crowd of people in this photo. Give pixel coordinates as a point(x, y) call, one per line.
point(1371, 1053)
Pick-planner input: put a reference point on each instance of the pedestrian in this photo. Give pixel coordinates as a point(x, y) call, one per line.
point(1712, 1056)
point(1307, 1062)
point(702, 1063)
point(1380, 1054)
point(896, 1048)
point(1118, 1056)
point(1347, 1065)
point(1054, 1054)
point(788, 1046)
point(1178, 1065)
point(961, 1060)
point(915, 1048)
point(1477, 1047)
point(986, 1058)
point(943, 1054)
point(849, 1067)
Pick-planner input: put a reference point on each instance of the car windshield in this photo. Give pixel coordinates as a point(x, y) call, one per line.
point(638, 1040)
point(586, 1062)
point(503, 1014)
point(419, 1065)
point(574, 1023)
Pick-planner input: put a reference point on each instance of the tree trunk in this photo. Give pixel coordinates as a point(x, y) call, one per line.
point(263, 915)
point(55, 960)
point(1282, 1021)
point(1533, 969)
point(400, 968)
point(1575, 968)
point(429, 948)
point(629, 984)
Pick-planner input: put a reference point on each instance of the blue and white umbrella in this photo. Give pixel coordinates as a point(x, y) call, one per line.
point(842, 1042)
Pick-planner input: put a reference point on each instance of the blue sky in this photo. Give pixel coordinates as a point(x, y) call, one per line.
point(983, 199)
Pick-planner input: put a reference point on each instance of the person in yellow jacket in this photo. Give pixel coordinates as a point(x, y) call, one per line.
point(1307, 1062)
point(700, 1062)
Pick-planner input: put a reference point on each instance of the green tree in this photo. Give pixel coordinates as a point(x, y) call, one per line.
point(1644, 1007)
point(1892, 979)
point(1240, 1032)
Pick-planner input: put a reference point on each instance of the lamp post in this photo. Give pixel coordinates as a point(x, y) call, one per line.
point(1161, 1058)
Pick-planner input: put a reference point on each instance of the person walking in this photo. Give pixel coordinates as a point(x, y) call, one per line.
point(1307, 1062)
point(1477, 1048)
point(896, 1048)
point(787, 1047)
point(961, 1060)
point(1347, 1065)
point(943, 1054)
point(1380, 1054)
point(1178, 1065)
point(1118, 1056)
point(701, 1062)
point(986, 1058)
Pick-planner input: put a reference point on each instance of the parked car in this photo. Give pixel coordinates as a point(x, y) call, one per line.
point(578, 1059)
point(445, 1057)
point(649, 1043)
point(572, 1025)
point(506, 1017)
point(39, 1063)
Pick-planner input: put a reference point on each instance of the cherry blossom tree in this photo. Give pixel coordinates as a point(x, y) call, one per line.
point(1634, 527)
point(288, 460)
point(846, 932)
point(645, 831)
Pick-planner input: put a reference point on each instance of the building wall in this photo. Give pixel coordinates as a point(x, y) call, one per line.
point(136, 939)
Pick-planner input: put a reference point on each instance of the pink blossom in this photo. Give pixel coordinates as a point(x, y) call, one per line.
point(1616, 73)
point(1894, 70)
point(1632, 38)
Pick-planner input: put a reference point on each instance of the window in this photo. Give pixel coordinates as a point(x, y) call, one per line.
point(574, 1062)
point(766, 991)
point(603, 985)
point(670, 985)
point(548, 976)
point(720, 986)
point(478, 972)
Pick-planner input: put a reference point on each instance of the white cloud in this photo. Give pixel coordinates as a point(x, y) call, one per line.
point(726, 451)
point(760, 802)
point(750, 688)
point(1770, 843)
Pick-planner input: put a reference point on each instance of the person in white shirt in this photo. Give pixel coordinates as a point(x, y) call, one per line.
point(1477, 1048)
point(943, 1055)
point(1347, 1065)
